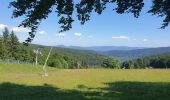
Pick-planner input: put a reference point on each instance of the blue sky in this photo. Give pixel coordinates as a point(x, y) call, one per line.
point(108, 29)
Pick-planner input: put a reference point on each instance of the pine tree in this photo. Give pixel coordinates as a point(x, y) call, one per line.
point(25, 54)
point(3, 51)
point(6, 42)
point(14, 46)
point(6, 36)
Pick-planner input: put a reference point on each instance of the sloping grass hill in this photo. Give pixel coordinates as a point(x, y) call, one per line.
point(25, 82)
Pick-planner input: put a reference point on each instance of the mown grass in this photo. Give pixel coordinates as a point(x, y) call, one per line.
point(25, 82)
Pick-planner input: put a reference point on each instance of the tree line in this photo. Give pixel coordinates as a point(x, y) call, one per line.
point(159, 61)
point(11, 48)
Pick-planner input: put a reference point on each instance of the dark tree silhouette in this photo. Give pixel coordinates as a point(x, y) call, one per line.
point(37, 10)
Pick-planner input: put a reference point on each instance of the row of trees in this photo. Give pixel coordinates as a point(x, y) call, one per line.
point(66, 58)
point(159, 61)
point(11, 48)
point(61, 61)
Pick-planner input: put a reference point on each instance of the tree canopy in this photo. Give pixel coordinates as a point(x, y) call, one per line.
point(111, 62)
point(37, 10)
point(157, 61)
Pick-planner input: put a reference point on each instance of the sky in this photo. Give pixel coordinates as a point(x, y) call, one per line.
point(108, 29)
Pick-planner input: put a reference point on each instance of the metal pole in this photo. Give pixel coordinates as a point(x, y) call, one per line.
point(36, 57)
point(44, 67)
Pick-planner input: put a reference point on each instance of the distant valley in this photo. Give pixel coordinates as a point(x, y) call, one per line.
point(133, 54)
point(123, 52)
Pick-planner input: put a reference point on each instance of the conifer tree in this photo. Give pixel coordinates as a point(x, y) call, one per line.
point(3, 51)
point(6, 42)
point(14, 46)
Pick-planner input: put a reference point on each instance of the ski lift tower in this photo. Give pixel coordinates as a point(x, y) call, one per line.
point(37, 52)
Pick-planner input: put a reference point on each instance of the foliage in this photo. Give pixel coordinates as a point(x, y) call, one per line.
point(58, 61)
point(10, 48)
point(111, 62)
point(35, 11)
point(15, 46)
point(6, 42)
point(69, 57)
point(159, 61)
point(3, 51)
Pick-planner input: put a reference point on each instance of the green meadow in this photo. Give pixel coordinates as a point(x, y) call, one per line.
point(25, 82)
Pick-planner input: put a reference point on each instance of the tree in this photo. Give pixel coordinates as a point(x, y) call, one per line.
point(128, 64)
point(6, 41)
point(35, 11)
point(6, 35)
point(140, 63)
point(55, 63)
point(71, 62)
point(10, 47)
point(111, 62)
point(25, 54)
point(14, 46)
point(58, 61)
point(3, 51)
point(157, 61)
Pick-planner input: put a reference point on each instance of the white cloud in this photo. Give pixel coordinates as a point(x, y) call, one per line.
point(2, 26)
point(60, 35)
point(120, 37)
point(42, 32)
point(145, 40)
point(78, 34)
point(20, 30)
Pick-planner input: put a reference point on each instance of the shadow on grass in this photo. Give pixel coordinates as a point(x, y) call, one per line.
point(113, 91)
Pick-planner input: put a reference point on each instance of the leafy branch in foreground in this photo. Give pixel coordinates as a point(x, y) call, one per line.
point(35, 11)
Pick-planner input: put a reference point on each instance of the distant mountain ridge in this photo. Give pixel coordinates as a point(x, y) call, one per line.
point(133, 54)
point(101, 48)
point(123, 52)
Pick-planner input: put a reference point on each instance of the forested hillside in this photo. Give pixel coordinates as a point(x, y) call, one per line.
point(11, 48)
point(101, 48)
point(84, 58)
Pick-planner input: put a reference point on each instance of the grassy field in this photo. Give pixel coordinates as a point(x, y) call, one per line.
point(24, 82)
